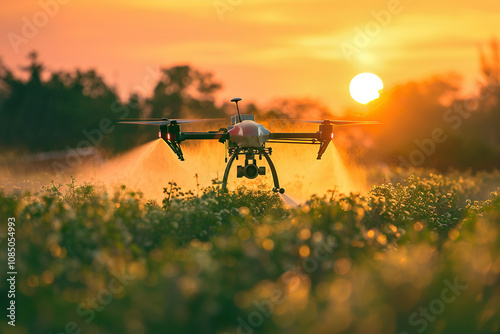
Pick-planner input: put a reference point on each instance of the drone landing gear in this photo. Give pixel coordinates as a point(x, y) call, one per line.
point(275, 174)
point(176, 148)
point(250, 170)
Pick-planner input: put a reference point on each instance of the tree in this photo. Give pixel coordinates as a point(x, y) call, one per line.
point(52, 114)
point(182, 92)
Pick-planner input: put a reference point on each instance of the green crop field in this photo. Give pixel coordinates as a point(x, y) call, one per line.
point(418, 256)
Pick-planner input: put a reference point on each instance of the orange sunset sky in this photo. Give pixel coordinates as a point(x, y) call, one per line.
point(259, 50)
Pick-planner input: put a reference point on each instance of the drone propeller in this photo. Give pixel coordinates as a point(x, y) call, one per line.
point(168, 121)
point(335, 122)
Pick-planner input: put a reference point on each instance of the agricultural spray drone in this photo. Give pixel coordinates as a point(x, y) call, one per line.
point(247, 138)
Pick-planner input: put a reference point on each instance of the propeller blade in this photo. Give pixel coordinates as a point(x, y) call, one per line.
point(183, 121)
point(180, 121)
point(345, 122)
point(147, 122)
point(334, 122)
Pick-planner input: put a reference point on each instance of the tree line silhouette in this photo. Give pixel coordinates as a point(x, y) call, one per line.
point(429, 124)
point(424, 124)
point(60, 110)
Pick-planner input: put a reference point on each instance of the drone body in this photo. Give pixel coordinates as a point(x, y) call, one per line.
point(249, 134)
point(245, 137)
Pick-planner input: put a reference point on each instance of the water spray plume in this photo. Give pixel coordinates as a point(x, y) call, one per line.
point(288, 201)
point(150, 167)
point(302, 175)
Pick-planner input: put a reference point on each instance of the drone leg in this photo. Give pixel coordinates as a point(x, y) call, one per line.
point(322, 148)
point(273, 171)
point(176, 148)
point(228, 168)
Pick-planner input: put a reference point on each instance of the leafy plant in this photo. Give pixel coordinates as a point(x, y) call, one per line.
point(216, 262)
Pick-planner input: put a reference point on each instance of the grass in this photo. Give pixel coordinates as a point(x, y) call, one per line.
point(240, 262)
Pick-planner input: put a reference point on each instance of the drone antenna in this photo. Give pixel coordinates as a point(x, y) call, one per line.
point(236, 100)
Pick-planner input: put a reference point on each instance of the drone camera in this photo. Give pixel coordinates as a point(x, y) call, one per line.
point(250, 171)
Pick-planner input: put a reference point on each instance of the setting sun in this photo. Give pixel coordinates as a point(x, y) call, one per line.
point(365, 87)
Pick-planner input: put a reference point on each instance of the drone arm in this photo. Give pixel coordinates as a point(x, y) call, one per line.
point(294, 135)
point(204, 135)
point(173, 140)
point(322, 137)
